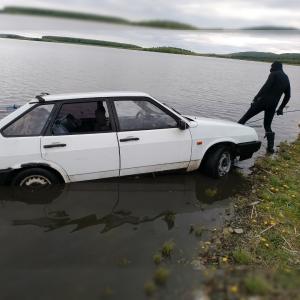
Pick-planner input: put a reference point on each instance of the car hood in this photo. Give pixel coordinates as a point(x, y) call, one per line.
point(215, 128)
point(211, 121)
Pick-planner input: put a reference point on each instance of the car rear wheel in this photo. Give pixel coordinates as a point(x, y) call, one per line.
point(34, 178)
point(218, 163)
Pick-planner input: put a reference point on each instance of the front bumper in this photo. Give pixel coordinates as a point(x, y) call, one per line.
point(5, 175)
point(246, 150)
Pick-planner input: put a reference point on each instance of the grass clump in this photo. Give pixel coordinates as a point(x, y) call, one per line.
point(211, 192)
point(242, 256)
point(161, 276)
point(168, 248)
point(124, 262)
point(157, 258)
point(169, 218)
point(150, 288)
point(257, 285)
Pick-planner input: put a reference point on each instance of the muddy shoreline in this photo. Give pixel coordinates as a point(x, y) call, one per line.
point(257, 252)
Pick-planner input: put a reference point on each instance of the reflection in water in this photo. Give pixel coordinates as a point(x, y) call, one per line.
point(69, 242)
point(132, 201)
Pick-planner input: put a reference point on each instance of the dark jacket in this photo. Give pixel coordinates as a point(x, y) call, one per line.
point(277, 84)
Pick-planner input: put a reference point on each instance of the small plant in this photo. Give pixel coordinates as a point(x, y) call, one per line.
point(124, 262)
point(168, 248)
point(169, 218)
point(107, 292)
point(198, 231)
point(161, 276)
point(157, 258)
point(242, 257)
point(257, 285)
point(149, 288)
point(211, 192)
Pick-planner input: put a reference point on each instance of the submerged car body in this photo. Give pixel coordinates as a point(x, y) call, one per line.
point(79, 137)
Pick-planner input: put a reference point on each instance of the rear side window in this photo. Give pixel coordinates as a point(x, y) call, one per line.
point(82, 118)
point(30, 124)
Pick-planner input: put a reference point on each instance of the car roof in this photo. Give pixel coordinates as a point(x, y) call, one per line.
point(59, 97)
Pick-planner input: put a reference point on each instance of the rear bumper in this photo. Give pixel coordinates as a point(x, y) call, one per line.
point(246, 150)
point(5, 175)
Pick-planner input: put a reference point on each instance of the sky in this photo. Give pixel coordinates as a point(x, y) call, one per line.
point(201, 13)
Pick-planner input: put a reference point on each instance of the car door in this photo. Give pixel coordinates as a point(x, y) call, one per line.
point(82, 140)
point(149, 137)
point(20, 139)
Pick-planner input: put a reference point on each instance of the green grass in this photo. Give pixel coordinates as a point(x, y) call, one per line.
point(257, 285)
point(279, 191)
point(161, 276)
point(265, 259)
point(273, 225)
point(168, 248)
point(157, 258)
point(150, 288)
point(242, 256)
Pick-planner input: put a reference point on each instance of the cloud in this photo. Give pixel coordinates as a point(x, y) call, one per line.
point(204, 13)
point(240, 13)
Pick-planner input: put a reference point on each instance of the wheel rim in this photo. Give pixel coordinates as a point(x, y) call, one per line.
point(224, 164)
point(35, 181)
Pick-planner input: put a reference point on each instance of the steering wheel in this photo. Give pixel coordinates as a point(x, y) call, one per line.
point(140, 115)
point(70, 122)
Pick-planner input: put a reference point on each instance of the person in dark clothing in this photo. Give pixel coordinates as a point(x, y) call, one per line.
point(267, 100)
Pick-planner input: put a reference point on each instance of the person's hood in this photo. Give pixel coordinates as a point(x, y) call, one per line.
point(276, 66)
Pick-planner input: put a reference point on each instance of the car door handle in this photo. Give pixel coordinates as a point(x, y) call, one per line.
point(55, 146)
point(129, 139)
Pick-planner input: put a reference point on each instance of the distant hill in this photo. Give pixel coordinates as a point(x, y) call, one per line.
point(171, 50)
point(269, 27)
point(165, 24)
point(287, 58)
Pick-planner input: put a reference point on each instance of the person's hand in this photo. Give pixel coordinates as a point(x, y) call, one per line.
point(279, 112)
point(253, 102)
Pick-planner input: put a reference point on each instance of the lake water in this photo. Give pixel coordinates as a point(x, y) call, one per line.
point(211, 87)
point(96, 240)
point(204, 41)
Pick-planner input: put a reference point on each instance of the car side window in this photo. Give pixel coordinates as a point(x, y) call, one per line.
point(82, 118)
point(30, 124)
point(142, 115)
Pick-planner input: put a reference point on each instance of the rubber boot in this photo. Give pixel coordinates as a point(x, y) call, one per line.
point(270, 138)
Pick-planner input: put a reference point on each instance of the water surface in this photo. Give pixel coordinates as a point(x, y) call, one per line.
point(95, 239)
point(82, 240)
point(209, 87)
point(203, 41)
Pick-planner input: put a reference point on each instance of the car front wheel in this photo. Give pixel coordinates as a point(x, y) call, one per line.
point(34, 178)
point(218, 163)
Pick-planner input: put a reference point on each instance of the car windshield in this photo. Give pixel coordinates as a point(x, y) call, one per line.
point(172, 108)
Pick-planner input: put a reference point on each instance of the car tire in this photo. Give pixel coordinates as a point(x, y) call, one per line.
point(34, 178)
point(218, 162)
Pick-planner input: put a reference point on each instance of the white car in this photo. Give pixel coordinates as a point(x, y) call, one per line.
point(77, 137)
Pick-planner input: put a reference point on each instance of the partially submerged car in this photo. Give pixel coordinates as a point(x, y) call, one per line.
point(77, 137)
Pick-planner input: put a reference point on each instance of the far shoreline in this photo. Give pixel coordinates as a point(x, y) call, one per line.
point(286, 58)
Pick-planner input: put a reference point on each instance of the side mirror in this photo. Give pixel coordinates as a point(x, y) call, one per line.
point(182, 125)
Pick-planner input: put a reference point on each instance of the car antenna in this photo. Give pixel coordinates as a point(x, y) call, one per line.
point(41, 97)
